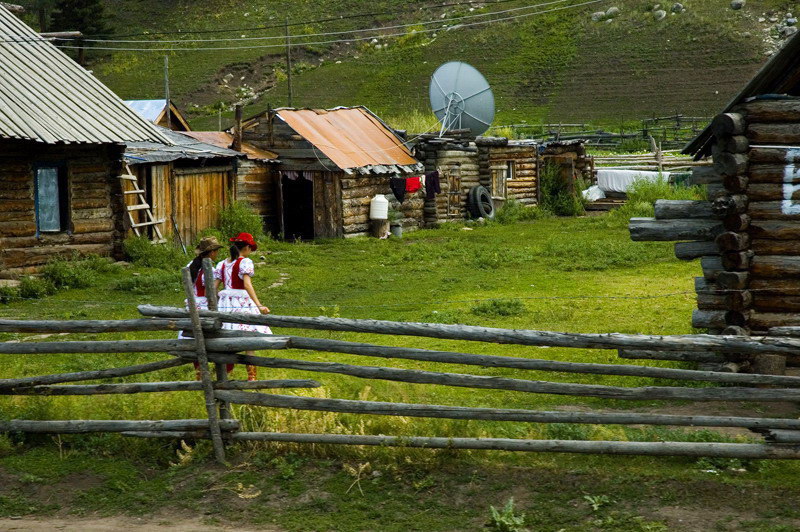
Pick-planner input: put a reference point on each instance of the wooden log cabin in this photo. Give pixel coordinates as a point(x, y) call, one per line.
point(62, 136)
point(747, 234)
point(331, 163)
point(186, 184)
point(161, 113)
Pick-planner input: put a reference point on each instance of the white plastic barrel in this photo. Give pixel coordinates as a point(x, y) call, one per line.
point(379, 208)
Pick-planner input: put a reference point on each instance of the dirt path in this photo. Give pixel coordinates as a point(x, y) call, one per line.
point(103, 524)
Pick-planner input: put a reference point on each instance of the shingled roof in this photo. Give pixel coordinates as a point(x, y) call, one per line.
point(779, 75)
point(47, 97)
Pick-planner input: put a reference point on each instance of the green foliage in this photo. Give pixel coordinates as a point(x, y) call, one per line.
point(239, 217)
point(64, 273)
point(499, 307)
point(87, 16)
point(556, 196)
point(513, 211)
point(142, 252)
point(642, 196)
point(152, 283)
point(597, 501)
point(36, 288)
point(505, 520)
point(8, 294)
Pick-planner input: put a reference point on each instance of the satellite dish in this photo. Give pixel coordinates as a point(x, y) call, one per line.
point(461, 98)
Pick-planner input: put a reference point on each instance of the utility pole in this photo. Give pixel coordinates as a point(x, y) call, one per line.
point(289, 63)
point(166, 91)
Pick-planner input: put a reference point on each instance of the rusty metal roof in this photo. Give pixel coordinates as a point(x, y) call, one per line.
point(47, 97)
point(353, 138)
point(223, 139)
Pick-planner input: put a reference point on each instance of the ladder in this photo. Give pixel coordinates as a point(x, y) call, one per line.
point(130, 180)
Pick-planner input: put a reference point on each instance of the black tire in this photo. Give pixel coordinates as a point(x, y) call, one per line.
point(479, 203)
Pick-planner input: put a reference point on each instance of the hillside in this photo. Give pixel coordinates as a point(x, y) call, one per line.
point(555, 67)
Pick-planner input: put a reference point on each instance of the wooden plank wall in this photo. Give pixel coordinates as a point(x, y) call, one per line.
point(256, 183)
point(95, 204)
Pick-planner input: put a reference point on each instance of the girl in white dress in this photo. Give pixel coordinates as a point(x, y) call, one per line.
point(238, 294)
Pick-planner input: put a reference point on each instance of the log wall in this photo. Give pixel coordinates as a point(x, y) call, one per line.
point(523, 186)
point(751, 274)
point(95, 221)
point(257, 184)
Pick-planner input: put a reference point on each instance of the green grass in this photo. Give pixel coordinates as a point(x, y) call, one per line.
point(557, 274)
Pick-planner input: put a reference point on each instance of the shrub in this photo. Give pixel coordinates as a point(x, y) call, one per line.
point(142, 252)
point(505, 520)
point(499, 307)
point(8, 294)
point(150, 283)
point(36, 288)
point(65, 273)
point(239, 217)
point(556, 197)
point(513, 211)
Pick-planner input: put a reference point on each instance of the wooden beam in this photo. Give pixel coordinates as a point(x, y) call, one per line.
point(84, 426)
point(103, 326)
point(650, 229)
point(156, 387)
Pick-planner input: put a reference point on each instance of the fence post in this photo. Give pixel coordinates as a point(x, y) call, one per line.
point(211, 295)
point(202, 360)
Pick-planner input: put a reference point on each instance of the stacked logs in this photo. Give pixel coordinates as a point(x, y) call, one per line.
point(747, 235)
point(458, 161)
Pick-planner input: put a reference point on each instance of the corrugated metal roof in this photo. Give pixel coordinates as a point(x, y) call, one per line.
point(150, 110)
point(353, 138)
point(224, 139)
point(779, 75)
point(182, 146)
point(45, 96)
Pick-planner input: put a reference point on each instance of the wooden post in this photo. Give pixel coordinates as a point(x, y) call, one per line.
point(237, 128)
point(211, 295)
point(166, 91)
point(289, 64)
point(202, 360)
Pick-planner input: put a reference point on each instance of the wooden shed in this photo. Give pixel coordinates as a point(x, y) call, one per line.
point(161, 113)
point(747, 234)
point(507, 168)
point(186, 184)
point(61, 146)
point(256, 173)
point(332, 162)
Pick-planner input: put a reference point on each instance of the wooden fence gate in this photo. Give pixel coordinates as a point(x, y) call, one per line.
point(212, 344)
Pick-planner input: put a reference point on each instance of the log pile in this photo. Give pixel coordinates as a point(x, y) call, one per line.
point(747, 234)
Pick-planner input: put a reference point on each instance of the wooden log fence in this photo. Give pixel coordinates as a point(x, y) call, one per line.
point(208, 343)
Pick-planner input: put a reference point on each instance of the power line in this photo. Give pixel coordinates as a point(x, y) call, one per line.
point(265, 46)
point(306, 22)
point(326, 34)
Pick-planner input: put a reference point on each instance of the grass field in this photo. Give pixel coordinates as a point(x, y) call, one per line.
point(581, 275)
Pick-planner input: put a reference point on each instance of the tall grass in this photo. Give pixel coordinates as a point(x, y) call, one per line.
point(642, 196)
point(414, 122)
point(556, 197)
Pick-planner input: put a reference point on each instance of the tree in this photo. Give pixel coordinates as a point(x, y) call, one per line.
point(87, 16)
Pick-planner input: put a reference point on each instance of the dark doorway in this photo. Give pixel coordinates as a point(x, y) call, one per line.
point(298, 208)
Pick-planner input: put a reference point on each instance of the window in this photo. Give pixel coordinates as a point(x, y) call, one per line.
point(511, 170)
point(52, 208)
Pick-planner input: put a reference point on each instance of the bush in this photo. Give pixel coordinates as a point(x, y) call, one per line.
point(499, 307)
point(150, 283)
point(513, 211)
point(556, 197)
point(8, 294)
point(239, 217)
point(142, 252)
point(65, 273)
point(36, 288)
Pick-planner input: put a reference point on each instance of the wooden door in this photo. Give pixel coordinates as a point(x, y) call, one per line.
point(200, 195)
point(160, 196)
point(327, 205)
point(454, 203)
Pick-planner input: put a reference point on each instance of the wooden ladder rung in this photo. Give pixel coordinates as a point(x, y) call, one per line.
point(134, 192)
point(145, 224)
point(129, 177)
point(138, 207)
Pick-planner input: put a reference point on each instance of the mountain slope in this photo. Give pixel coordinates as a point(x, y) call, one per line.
point(557, 67)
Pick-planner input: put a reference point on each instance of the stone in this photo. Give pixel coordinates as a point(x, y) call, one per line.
point(10, 283)
point(788, 31)
point(791, 21)
point(762, 19)
point(597, 16)
point(609, 20)
point(737, 4)
point(677, 7)
point(660, 14)
point(612, 11)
